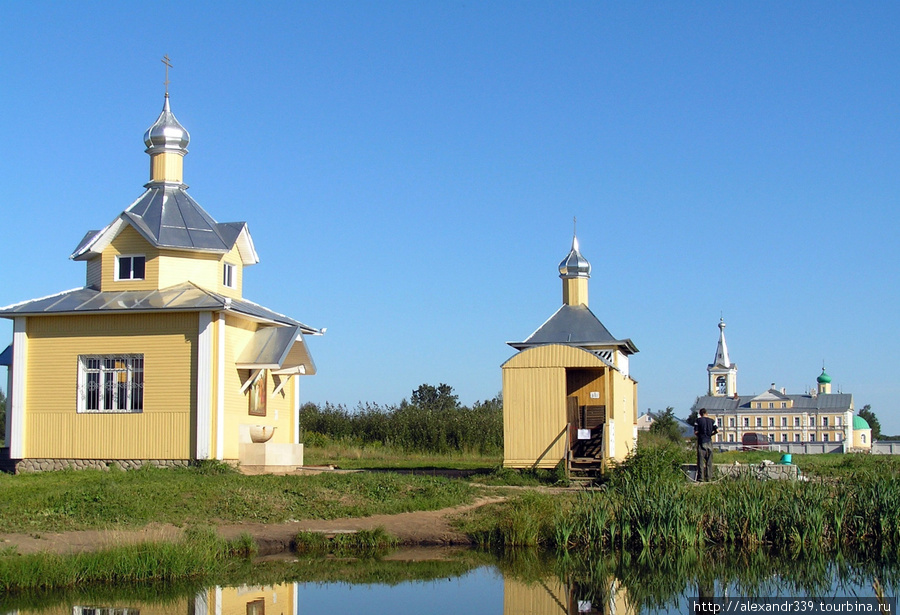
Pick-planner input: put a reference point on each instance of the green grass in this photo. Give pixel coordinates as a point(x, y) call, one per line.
point(833, 465)
point(352, 456)
point(362, 543)
point(201, 553)
point(72, 500)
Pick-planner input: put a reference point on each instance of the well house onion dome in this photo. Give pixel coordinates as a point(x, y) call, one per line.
point(860, 423)
point(574, 265)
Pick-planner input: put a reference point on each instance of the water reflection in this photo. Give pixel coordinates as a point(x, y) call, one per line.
point(513, 583)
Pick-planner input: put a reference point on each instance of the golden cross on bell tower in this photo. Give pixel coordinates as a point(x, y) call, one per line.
point(168, 64)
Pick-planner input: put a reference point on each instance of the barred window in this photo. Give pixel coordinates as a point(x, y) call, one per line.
point(111, 383)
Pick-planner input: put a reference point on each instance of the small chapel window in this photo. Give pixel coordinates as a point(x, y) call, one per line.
point(130, 267)
point(228, 278)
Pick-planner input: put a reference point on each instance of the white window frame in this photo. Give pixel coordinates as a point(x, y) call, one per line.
point(119, 278)
point(118, 380)
point(229, 276)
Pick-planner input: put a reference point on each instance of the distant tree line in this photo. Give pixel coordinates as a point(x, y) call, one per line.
point(432, 421)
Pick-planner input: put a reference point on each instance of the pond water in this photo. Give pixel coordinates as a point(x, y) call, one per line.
point(519, 583)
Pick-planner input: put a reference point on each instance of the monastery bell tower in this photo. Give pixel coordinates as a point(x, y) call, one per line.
point(722, 372)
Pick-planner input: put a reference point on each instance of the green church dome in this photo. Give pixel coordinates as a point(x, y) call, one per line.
point(823, 377)
point(860, 423)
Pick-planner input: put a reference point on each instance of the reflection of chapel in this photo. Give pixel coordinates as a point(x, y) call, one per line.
point(158, 358)
point(567, 393)
point(818, 416)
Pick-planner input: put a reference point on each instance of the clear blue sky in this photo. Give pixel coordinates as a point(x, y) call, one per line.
point(410, 170)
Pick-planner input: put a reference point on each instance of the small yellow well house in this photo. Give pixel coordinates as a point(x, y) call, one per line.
point(567, 393)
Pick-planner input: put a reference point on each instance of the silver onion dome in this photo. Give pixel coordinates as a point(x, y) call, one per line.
point(166, 133)
point(574, 265)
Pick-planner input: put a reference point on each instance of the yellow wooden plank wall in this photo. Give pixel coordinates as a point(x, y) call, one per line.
point(94, 278)
point(554, 355)
point(548, 596)
point(534, 410)
point(54, 429)
point(130, 242)
point(203, 269)
point(534, 413)
point(624, 397)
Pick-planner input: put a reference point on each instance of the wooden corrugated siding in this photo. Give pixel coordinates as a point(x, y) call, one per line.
point(54, 429)
point(554, 355)
point(624, 397)
point(130, 242)
point(548, 596)
point(534, 413)
point(534, 402)
point(94, 273)
point(203, 269)
point(237, 404)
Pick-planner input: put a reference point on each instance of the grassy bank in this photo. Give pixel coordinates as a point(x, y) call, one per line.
point(648, 503)
point(198, 555)
point(73, 500)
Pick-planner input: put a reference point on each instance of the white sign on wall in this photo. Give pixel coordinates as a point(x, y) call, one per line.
point(595, 394)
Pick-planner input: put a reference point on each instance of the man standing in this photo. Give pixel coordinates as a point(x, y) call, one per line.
point(705, 428)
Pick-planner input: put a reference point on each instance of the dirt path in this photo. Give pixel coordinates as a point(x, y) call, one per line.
point(426, 528)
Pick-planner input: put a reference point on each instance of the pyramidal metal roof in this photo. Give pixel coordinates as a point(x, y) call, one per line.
point(167, 217)
point(574, 325)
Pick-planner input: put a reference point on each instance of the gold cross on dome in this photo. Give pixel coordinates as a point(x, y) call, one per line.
point(168, 64)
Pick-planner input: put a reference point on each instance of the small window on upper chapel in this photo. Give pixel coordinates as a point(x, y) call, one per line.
point(130, 267)
point(228, 276)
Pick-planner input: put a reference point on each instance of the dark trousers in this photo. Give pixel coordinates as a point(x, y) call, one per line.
point(704, 462)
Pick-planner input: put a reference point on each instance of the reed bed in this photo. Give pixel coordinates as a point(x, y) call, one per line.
point(648, 504)
point(362, 543)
